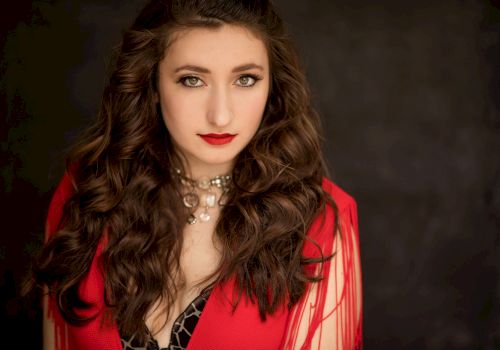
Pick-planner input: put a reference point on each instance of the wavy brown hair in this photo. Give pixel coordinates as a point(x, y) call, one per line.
point(123, 180)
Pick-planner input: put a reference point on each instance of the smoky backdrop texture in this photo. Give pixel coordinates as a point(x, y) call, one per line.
point(409, 96)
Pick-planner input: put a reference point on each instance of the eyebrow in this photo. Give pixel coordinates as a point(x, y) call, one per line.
point(237, 69)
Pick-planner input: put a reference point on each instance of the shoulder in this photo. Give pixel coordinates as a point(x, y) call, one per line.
point(323, 229)
point(342, 199)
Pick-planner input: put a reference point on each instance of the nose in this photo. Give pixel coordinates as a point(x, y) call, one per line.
point(219, 113)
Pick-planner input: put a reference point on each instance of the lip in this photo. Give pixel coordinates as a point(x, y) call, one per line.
point(217, 139)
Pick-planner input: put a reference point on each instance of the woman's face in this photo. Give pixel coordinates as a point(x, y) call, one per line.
point(213, 86)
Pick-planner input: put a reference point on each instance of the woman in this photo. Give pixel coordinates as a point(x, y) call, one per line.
point(195, 213)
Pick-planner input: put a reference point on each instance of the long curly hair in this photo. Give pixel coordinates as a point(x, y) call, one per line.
point(124, 185)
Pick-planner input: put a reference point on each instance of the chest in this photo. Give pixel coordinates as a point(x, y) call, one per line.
point(200, 257)
point(200, 254)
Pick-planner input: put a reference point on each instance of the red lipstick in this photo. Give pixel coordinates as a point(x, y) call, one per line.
point(217, 139)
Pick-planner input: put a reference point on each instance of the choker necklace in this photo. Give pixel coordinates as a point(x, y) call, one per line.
point(207, 199)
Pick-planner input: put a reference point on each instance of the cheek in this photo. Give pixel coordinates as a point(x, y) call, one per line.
point(177, 110)
point(251, 108)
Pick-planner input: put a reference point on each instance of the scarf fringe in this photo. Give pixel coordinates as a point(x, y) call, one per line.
point(329, 315)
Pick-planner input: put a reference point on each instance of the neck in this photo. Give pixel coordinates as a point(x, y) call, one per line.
point(197, 172)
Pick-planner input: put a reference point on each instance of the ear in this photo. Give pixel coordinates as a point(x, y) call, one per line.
point(156, 98)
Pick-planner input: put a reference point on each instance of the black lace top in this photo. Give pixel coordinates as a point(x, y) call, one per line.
point(182, 329)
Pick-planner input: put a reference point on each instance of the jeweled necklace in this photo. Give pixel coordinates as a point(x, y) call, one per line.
point(208, 198)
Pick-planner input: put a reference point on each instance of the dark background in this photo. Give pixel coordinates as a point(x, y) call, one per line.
point(409, 95)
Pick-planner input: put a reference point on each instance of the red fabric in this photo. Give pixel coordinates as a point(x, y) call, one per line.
point(218, 328)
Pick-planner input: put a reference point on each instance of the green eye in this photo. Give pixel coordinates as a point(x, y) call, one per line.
point(248, 80)
point(190, 81)
point(244, 80)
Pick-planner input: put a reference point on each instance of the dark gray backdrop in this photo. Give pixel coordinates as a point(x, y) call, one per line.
point(408, 92)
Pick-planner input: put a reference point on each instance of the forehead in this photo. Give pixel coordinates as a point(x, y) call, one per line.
point(224, 47)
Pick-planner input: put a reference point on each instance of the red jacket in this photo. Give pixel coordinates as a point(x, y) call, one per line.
point(328, 316)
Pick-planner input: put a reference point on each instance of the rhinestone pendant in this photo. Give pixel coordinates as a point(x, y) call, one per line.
point(208, 200)
point(205, 216)
point(190, 200)
point(191, 219)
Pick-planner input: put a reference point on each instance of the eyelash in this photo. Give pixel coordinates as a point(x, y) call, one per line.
point(183, 80)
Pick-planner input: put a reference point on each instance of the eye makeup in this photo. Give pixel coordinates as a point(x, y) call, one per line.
point(190, 81)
